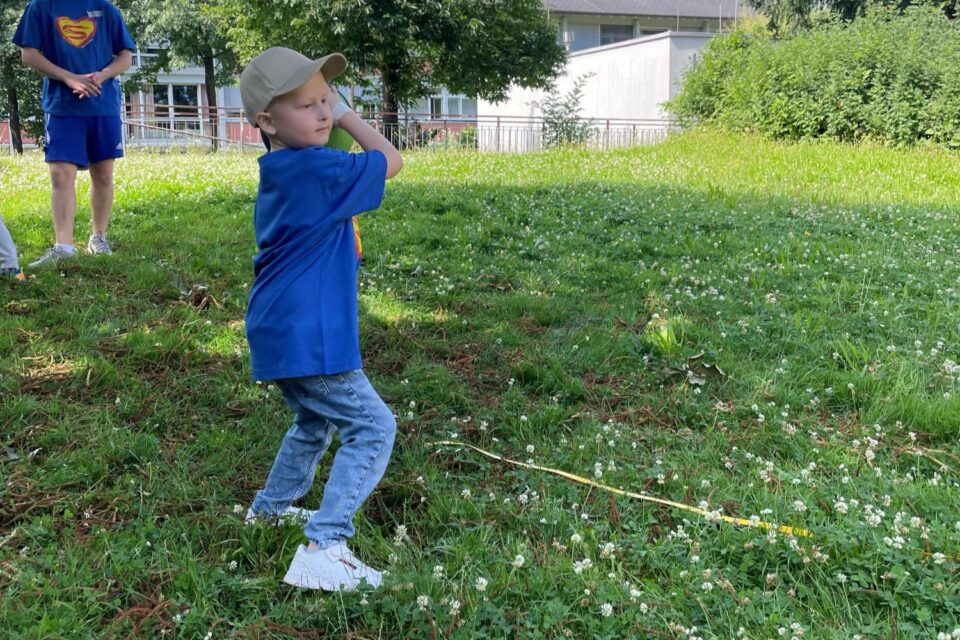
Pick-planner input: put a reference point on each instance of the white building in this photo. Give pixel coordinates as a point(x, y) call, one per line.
point(631, 54)
point(584, 24)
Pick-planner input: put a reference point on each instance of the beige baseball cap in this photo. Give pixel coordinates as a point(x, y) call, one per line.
point(279, 70)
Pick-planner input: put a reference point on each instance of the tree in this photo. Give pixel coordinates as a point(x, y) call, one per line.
point(475, 47)
point(787, 15)
point(562, 124)
point(20, 93)
point(187, 34)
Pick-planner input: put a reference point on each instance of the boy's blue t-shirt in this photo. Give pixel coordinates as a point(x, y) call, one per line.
point(82, 36)
point(302, 319)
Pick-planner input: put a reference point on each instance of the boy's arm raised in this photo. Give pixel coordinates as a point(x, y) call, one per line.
point(369, 138)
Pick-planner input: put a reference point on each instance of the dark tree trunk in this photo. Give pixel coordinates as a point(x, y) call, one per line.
point(14, 102)
point(210, 78)
point(391, 108)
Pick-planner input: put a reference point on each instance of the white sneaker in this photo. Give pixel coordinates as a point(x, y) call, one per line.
point(290, 514)
point(363, 571)
point(321, 569)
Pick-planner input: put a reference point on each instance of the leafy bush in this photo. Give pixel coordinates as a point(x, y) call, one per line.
point(887, 76)
point(467, 137)
point(562, 124)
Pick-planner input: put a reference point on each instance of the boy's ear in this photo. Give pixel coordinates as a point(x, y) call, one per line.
point(265, 122)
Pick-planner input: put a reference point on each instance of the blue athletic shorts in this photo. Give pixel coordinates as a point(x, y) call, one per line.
point(83, 140)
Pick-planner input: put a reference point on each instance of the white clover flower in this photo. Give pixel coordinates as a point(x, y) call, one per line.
point(582, 565)
point(606, 609)
point(454, 607)
point(423, 602)
point(480, 584)
point(577, 538)
point(530, 448)
point(438, 572)
point(518, 561)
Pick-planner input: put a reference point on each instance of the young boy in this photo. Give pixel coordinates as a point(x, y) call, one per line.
point(79, 46)
point(302, 322)
point(9, 262)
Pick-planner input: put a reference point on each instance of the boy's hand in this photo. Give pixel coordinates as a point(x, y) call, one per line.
point(336, 105)
point(83, 86)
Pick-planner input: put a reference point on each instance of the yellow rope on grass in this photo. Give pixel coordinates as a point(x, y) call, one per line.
point(790, 531)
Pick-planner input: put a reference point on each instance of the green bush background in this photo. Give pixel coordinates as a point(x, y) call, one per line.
point(887, 77)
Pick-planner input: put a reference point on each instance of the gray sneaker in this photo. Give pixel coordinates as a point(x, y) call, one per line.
point(98, 245)
point(53, 255)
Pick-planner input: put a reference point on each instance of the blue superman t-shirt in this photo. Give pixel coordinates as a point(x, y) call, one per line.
point(302, 318)
point(82, 36)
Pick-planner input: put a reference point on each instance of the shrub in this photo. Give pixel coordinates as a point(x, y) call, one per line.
point(887, 76)
point(562, 124)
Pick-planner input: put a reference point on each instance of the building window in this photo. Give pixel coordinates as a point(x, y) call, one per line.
point(611, 33)
point(436, 108)
point(161, 100)
point(185, 102)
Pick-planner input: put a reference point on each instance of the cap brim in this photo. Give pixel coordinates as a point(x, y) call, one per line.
point(330, 66)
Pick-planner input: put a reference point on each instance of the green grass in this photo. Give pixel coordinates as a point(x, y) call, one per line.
point(548, 307)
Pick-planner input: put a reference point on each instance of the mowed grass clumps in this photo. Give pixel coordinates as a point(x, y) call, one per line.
point(764, 331)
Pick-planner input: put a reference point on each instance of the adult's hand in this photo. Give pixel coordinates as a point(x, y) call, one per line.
point(97, 77)
point(83, 86)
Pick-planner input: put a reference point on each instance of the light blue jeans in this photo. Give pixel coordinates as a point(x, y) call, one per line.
point(8, 250)
point(347, 403)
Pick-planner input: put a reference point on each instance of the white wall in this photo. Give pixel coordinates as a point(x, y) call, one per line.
point(631, 79)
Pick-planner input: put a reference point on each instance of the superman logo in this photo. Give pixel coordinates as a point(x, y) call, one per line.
point(78, 32)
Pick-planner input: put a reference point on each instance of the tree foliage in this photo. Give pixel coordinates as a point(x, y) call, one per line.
point(186, 33)
point(475, 47)
point(789, 15)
